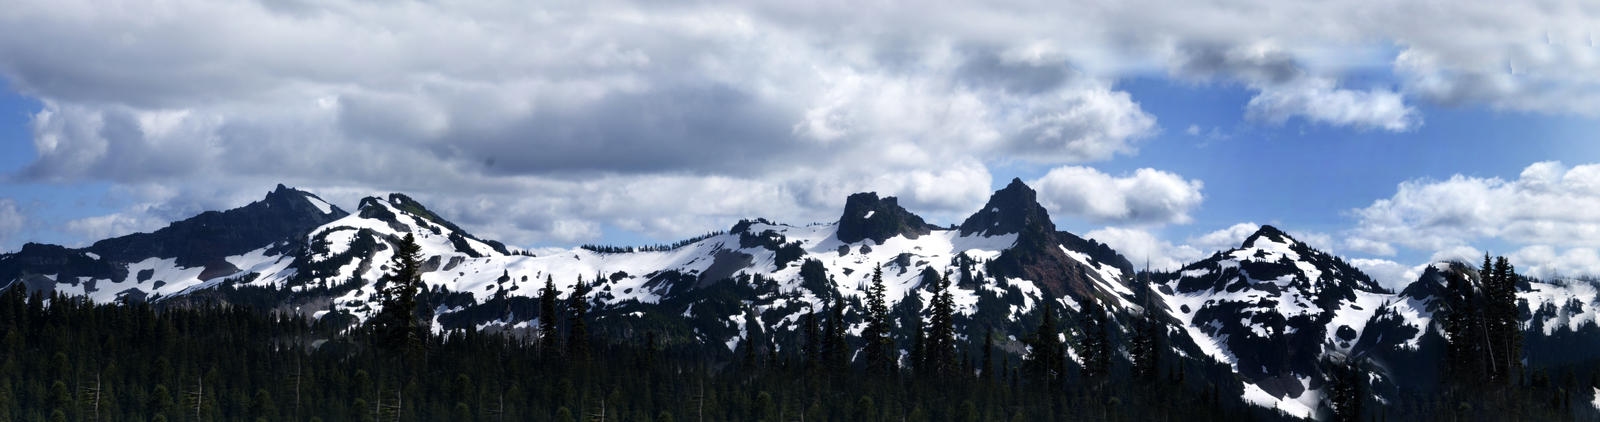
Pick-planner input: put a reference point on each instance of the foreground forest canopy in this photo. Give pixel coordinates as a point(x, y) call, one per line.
point(65, 359)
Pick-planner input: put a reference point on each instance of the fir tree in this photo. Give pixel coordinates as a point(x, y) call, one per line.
point(812, 350)
point(987, 365)
point(939, 350)
point(834, 347)
point(396, 322)
point(918, 353)
point(879, 347)
point(549, 317)
point(1344, 391)
point(577, 331)
point(1046, 357)
point(1095, 347)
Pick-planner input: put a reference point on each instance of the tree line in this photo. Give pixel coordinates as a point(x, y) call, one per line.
point(68, 360)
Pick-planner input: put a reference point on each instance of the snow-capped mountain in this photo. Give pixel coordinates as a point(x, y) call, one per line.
point(1271, 308)
point(260, 237)
point(1265, 313)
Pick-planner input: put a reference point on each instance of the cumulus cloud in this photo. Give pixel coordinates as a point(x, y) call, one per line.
point(1369, 246)
point(1233, 236)
point(112, 225)
point(1224, 239)
point(1318, 100)
point(1458, 253)
point(518, 120)
point(1551, 264)
point(1140, 246)
point(1146, 197)
point(1286, 89)
point(1391, 275)
point(1548, 204)
point(12, 220)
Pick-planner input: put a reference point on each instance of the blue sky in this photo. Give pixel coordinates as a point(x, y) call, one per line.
point(1390, 141)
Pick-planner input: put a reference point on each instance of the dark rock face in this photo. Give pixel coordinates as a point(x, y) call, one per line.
point(1040, 253)
point(285, 214)
point(281, 220)
point(868, 217)
point(1013, 209)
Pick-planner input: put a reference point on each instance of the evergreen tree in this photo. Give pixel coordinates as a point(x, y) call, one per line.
point(879, 347)
point(986, 368)
point(918, 353)
point(1144, 349)
point(397, 324)
point(577, 331)
point(940, 346)
point(549, 333)
point(1046, 356)
point(835, 349)
point(813, 340)
point(1505, 324)
point(1094, 346)
point(1344, 391)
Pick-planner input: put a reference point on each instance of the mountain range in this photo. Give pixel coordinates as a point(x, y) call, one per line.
point(1258, 320)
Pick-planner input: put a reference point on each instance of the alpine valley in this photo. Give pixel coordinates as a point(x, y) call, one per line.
point(1273, 326)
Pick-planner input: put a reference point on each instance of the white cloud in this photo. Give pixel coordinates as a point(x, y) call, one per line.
point(1548, 204)
point(12, 220)
point(1147, 197)
point(1459, 253)
point(1549, 263)
point(1369, 246)
point(510, 112)
point(1392, 275)
point(1139, 245)
point(1286, 88)
point(1225, 239)
point(1318, 100)
point(112, 225)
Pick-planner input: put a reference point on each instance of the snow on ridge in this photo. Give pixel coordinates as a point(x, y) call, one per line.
point(1293, 406)
point(1543, 296)
point(321, 205)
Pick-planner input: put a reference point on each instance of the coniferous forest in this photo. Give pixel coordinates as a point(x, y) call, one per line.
point(68, 360)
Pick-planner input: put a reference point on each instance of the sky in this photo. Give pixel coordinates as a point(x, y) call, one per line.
point(1393, 133)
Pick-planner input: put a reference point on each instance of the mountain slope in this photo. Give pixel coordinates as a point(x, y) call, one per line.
point(1272, 308)
point(1259, 320)
point(209, 246)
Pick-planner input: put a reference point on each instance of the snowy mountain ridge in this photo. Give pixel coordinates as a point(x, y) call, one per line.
point(1268, 311)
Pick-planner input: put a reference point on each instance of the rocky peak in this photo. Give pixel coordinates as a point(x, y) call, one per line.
point(866, 216)
point(1269, 234)
point(1013, 209)
point(285, 214)
point(384, 210)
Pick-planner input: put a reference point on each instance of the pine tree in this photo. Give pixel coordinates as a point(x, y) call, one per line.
point(834, 347)
point(397, 324)
point(1095, 348)
point(1144, 350)
point(939, 350)
point(1046, 357)
point(549, 333)
point(987, 366)
point(1505, 321)
point(879, 347)
point(919, 344)
point(813, 340)
point(1344, 391)
point(1465, 365)
point(577, 331)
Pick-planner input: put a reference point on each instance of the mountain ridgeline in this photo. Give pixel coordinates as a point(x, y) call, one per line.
point(1274, 326)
